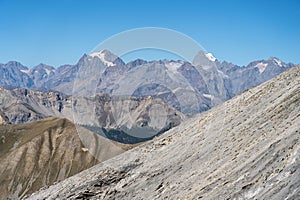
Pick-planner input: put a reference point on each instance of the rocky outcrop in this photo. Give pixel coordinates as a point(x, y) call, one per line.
point(246, 148)
point(3, 118)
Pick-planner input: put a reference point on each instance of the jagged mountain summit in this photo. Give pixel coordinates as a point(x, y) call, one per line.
point(255, 73)
point(188, 87)
point(245, 148)
point(40, 74)
point(14, 74)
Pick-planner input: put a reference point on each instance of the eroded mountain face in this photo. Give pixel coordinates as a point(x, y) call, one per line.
point(190, 88)
point(246, 148)
point(38, 154)
point(136, 116)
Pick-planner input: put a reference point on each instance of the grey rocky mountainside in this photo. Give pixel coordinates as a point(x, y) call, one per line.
point(14, 74)
point(245, 148)
point(142, 117)
point(188, 87)
point(257, 72)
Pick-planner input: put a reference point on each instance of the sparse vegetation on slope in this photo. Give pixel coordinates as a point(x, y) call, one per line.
point(38, 154)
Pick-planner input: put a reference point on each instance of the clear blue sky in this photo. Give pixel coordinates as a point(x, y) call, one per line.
point(57, 32)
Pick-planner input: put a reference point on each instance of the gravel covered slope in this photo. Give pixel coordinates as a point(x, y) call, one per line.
point(246, 148)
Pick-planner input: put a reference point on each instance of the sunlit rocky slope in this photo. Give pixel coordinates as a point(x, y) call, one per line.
point(246, 148)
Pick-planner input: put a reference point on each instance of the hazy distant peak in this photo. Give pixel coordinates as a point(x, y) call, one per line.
point(15, 64)
point(204, 58)
point(43, 67)
point(207, 55)
point(276, 61)
point(135, 63)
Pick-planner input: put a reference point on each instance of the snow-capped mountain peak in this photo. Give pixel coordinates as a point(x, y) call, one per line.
point(210, 57)
point(278, 62)
point(105, 56)
point(261, 67)
point(43, 69)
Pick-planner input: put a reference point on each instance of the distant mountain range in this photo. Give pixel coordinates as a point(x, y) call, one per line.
point(188, 87)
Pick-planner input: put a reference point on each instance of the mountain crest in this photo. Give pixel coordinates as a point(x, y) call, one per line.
point(107, 57)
